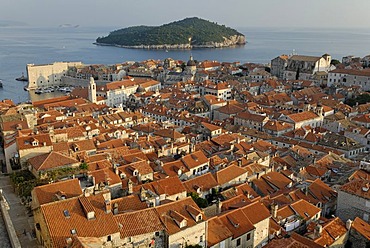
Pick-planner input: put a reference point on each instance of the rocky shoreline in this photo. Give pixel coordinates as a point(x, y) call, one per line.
point(235, 40)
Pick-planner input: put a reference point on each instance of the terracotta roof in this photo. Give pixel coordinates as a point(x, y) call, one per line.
point(83, 145)
point(171, 211)
point(14, 125)
point(40, 140)
point(358, 187)
point(277, 179)
point(237, 222)
point(277, 126)
point(169, 133)
point(51, 160)
point(168, 186)
point(172, 168)
point(64, 217)
point(322, 191)
point(140, 222)
point(360, 174)
point(194, 159)
point(304, 58)
point(210, 127)
point(303, 116)
point(205, 182)
point(230, 109)
point(305, 209)
point(228, 174)
point(294, 241)
point(57, 191)
point(106, 176)
point(362, 227)
point(251, 117)
point(129, 203)
point(365, 72)
point(217, 232)
point(285, 212)
point(331, 232)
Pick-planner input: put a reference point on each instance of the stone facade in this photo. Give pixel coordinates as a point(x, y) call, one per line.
point(49, 74)
point(351, 206)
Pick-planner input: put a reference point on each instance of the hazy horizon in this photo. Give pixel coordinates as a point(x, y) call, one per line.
point(234, 13)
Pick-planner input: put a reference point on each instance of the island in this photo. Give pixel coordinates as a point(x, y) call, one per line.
point(185, 34)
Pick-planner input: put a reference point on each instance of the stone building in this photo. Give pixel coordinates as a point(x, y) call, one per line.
point(48, 74)
point(354, 200)
point(300, 67)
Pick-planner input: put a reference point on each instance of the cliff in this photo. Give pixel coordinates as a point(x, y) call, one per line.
point(185, 34)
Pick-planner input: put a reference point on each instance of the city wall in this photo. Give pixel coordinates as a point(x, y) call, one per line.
point(14, 241)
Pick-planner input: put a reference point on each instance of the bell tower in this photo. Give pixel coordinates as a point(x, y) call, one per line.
point(92, 90)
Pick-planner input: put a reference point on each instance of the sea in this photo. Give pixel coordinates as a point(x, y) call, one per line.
point(24, 45)
point(20, 46)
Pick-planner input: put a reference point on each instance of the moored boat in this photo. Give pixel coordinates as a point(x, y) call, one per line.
point(22, 78)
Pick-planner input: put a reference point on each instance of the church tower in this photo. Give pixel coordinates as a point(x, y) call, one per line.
point(92, 90)
point(191, 66)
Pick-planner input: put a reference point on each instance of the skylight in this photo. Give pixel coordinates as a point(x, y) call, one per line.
point(66, 214)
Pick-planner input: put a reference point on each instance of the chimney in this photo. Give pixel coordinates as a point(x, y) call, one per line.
point(218, 206)
point(130, 187)
point(348, 224)
point(108, 206)
point(69, 242)
point(306, 190)
point(318, 230)
point(239, 162)
point(86, 193)
point(143, 194)
point(274, 209)
point(115, 208)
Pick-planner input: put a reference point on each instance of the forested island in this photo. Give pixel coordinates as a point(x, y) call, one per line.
point(185, 34)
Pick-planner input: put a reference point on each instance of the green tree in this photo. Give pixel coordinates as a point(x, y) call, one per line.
point(202, 203)
point(334, 62)
point(84, 166)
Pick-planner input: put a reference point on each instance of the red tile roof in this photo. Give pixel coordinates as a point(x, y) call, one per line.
point(64, 216)
point(58, 190)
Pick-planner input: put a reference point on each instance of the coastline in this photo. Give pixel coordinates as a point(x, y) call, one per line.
point(170, 47)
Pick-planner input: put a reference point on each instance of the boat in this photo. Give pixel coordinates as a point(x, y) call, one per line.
point(22, 78)
point(1, 84)
point(26, 88)
point(39, 91)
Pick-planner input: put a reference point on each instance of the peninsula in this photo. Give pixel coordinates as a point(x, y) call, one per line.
point(185, 34)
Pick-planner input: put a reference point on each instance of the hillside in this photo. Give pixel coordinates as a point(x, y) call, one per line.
point(187, 33)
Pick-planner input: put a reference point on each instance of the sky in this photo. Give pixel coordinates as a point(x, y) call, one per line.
point(232, 13)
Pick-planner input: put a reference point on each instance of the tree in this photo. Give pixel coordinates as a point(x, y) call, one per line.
point(334, 62)
point(84, 166)
point(202, 203)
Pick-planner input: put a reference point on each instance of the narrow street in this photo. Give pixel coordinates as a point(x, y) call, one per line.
point(22, 220)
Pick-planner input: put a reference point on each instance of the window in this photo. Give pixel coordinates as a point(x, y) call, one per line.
point(66, 214)
point(201, 239)
point(238, 242)
point(248, 236)
point(109, 238)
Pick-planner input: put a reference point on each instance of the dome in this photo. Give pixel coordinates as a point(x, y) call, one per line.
point(191, 62)
point(140, 89)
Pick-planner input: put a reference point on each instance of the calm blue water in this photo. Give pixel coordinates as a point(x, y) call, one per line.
point(22, 45)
